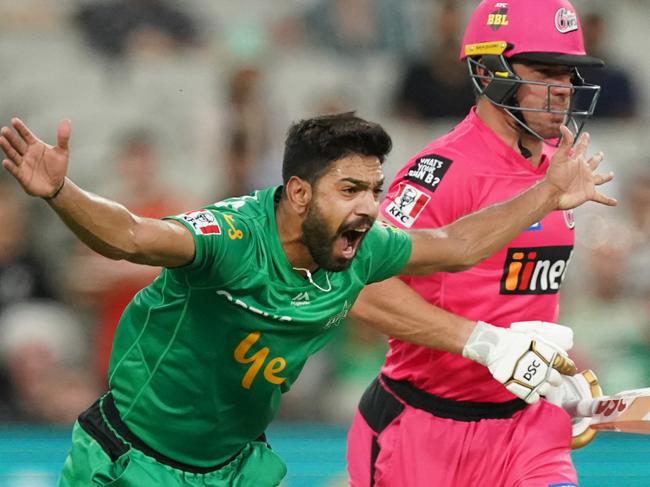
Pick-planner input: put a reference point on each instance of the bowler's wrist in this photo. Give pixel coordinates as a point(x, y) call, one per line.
point(56, 192)
point(549, 195)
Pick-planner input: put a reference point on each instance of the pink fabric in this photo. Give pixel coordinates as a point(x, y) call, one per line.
point(360, 438)
point(528, 25)
point(531, 449)
point(483, 171)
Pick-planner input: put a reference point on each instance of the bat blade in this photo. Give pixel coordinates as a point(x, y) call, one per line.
point(627, 411)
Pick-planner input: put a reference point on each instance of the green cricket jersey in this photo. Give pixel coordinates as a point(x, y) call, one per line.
point(202, 355)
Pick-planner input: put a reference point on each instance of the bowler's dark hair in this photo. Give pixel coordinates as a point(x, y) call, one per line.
point(312, 145)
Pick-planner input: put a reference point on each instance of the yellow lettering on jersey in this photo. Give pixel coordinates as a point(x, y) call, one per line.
point(274, 366)
point(233, 232)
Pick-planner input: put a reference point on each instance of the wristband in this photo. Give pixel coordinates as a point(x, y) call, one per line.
point(56, 193)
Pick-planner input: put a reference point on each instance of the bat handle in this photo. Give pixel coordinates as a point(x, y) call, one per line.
point(583, 408)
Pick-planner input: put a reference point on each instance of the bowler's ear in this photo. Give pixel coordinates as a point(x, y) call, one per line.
point(299, 194)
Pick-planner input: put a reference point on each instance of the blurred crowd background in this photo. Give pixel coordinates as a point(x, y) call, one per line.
point(177, 104)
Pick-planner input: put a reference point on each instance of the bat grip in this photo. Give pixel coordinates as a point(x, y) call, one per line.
point(583, 408)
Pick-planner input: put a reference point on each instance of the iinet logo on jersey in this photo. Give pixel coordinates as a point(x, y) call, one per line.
point(535, 270)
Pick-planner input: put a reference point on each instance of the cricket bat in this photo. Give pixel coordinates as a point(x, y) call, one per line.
point(627, 411)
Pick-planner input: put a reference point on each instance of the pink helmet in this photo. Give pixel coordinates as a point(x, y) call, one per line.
point(528, 31)
point(546, 31)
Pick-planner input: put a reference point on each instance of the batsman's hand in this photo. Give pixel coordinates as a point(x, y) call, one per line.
point(526, 365)
point(39, 167)
point(584, 385)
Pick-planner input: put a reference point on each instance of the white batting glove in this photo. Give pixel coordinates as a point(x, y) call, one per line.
point(557, 334)
point(525, 364)
point(573, 389)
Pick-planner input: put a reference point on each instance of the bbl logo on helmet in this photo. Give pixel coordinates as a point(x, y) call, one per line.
point(565, 20)
point(499, 17)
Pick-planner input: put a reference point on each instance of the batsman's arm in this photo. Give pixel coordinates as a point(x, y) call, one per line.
point(105, 226)
point(569, 182)
point(393, 308)
point(524, 364)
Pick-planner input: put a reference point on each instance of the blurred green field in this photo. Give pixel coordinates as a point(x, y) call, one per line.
point(315, 454)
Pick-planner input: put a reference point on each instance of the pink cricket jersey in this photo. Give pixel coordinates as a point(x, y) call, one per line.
point(466, 170)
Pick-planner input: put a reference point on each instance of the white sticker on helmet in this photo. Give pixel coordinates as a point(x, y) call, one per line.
point(565, 20)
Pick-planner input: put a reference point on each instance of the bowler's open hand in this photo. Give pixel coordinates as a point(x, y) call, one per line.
point(573, 175)
point(39, 167)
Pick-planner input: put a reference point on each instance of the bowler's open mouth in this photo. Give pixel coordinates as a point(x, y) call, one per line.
point(349, 240)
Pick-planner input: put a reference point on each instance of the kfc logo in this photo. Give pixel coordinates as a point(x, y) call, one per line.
point(407, 205)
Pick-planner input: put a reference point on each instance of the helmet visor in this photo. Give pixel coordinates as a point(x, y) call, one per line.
point(557, 58)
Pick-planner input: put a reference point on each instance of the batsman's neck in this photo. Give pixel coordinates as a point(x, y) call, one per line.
point(508, 130)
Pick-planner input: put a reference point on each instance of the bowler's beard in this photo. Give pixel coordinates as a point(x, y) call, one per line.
point(320, 242)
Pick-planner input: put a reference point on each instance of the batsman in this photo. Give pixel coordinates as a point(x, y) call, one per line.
point(252, 286)
point(433, 417)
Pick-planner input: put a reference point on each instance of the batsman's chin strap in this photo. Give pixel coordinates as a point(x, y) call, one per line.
point(311, 280)
point(524, 151)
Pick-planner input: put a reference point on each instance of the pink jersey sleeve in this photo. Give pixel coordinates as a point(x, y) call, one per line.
point(430, 179)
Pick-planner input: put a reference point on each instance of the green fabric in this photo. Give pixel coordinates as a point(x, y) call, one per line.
point(88, 465)
point(202, 355)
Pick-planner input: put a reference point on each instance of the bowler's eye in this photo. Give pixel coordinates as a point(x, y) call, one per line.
point(349, 190)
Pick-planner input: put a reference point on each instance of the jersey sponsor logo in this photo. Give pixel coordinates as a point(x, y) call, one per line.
point(569, 219)
point(536, 270)
point(300, 299)
point(428, 171)
point(250, 308)
point(203, 222)
point(233, 232)
point(407, 205)
point(258, 360)
point(563, 484)
point(565, 20)
point(498, 17)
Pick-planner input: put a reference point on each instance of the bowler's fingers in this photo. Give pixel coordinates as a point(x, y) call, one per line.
point(595, 160)
point(9, 150)
point(603, 178)
point(566, 141)
point(63, 134)
point(604, 200)
point(10, 167)
point(580, 150)
point(24, 132)
point(13, 141)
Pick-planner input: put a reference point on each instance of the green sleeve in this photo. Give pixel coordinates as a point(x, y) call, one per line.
point(387, 249)
point(222, 245)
